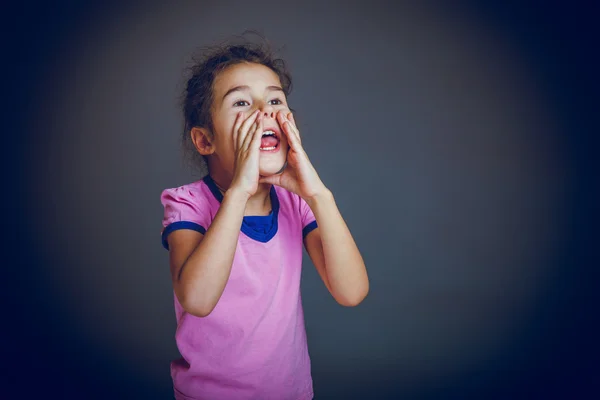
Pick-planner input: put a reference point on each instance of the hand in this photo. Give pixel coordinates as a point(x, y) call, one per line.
point(246, 141)
point(300, 176)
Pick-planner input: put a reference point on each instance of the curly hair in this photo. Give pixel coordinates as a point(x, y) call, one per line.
point(198, 94)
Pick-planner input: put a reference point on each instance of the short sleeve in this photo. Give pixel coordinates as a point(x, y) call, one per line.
point(183, 209)
point(309, 222)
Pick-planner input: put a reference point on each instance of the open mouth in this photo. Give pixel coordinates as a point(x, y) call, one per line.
point(269, 141)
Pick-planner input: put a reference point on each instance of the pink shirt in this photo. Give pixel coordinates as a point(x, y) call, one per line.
point(253, 344)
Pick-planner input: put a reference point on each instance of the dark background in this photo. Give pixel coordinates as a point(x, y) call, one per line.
point(458, 141)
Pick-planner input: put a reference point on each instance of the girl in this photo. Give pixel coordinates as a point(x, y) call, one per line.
point(235, 237)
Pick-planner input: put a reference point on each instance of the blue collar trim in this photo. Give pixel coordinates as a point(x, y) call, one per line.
point(247, 222)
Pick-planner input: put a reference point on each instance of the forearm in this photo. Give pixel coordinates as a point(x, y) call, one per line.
point(344, 266)
point(205, 273)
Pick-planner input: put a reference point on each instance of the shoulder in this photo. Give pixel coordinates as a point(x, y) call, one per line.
point(190, 202)
point(186, 207)
point(192, 192)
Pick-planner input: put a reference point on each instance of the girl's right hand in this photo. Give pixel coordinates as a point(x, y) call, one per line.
point(247, 135)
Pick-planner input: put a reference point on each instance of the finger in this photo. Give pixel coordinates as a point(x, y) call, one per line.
point(289, 130)
point(246, 125)
point(249, 136)
point(291, 136)
point(272, 179)
point(290, 117)
point(236, 126)
point(253, 132)
point(286, 117)
point(239, 118)
point(257, 136)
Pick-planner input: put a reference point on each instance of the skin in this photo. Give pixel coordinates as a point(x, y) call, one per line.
point(201, 264)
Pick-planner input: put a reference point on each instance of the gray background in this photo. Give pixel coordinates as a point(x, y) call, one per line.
point(449, 136)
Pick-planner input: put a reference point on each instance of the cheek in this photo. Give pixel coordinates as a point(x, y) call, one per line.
point(284, 109)
point(227, 130)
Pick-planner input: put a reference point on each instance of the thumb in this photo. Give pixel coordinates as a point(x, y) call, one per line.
point(273, 179)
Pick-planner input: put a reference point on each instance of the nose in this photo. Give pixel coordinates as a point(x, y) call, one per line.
point(267, 110)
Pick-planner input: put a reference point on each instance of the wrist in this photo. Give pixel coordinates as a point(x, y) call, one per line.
point(236, 195)
point(323, 195)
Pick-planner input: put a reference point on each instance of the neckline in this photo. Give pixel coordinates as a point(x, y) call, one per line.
point(246, 228)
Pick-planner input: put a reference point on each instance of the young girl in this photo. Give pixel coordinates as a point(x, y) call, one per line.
point(235, 237)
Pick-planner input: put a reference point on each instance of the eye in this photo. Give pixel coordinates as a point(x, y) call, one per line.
point(276, 102)
point(238, 103)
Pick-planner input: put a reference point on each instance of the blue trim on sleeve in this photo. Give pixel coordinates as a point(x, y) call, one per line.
point(309, 228)
point(180, 225)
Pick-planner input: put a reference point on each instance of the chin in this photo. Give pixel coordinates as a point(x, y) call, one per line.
point(271, 167)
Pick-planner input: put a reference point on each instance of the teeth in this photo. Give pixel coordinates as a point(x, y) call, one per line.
point(268, 148)
point(268, 133)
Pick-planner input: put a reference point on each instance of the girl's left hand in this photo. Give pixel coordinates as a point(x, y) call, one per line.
point(299, 176)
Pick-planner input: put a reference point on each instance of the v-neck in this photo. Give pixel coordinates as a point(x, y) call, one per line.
point(250, 222)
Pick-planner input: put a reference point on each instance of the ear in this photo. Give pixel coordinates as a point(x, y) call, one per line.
point(202, 141)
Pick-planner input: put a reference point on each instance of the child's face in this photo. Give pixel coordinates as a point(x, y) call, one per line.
point(248, 87)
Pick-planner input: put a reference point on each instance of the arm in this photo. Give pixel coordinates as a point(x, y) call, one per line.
point(201, 264)
point(335, 254)
point(330, 246)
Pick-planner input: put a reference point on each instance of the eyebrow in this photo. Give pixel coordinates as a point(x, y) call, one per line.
point(246, 87)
